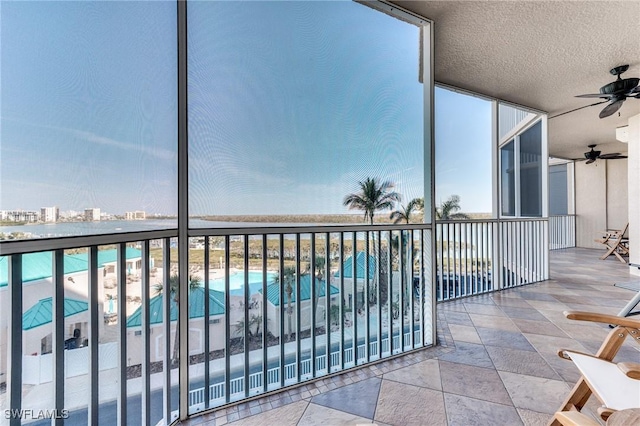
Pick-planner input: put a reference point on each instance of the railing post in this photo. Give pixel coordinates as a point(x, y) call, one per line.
point(58, 331)
point(122, 334)
point(183, 212)
point(93, 336)
point(14, 338)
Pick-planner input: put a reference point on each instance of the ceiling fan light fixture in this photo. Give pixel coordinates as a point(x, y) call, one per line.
point(616, 92)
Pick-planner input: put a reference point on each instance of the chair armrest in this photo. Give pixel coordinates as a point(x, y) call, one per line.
point(630, 369)
point(602, 318)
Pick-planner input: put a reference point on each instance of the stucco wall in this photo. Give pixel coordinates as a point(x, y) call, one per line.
point(617, 194)
point(602, 199)
point(591, 208)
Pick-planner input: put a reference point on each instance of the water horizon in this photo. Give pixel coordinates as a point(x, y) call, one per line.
point(68, 229)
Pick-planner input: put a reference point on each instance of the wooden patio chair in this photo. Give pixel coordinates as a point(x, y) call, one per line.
point(616, 243)
point(616, 386)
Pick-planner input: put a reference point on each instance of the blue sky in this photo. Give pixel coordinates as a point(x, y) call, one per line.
point(290, 105)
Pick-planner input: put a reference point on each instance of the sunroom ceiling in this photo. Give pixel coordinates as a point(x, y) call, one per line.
point(541, 54)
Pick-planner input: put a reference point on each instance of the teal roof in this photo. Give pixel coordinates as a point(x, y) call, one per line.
point(38, 266)
point(273, 290)
point(196, 307)
point(347, 266)
point(41, 313)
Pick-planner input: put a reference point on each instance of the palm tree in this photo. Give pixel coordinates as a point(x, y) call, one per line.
point(289, 274)
point(373, 196)
point(316, 281)
point(448, 209)
point(174, 285)
point(255, 323)
point(405, 212)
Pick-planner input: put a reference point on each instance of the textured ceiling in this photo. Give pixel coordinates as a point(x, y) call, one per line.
point(541, 54)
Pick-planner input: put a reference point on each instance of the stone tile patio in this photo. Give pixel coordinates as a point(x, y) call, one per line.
point(495, 363)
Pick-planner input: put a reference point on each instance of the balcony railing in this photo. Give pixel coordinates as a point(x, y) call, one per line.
point(91, 324)
point(562, 231)
point(480, 256)
point(92, 327)
point(297, 303)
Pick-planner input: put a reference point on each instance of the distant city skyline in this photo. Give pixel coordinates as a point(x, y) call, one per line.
point(81, 130)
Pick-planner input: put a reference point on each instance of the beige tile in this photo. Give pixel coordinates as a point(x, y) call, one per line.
point(489, 321)
point(425, 374)
point(522, 362)
point(464, 411)
point(319, 415)
point(475, 382)
point(549, 345)
point(542, 304)
point(286, 415)
point(579, 331)
point(401, 404)
point(535, 393)
point(533, 418)
point(510, 300)
point(463, 333)
point(477, 308)
point(546, 328)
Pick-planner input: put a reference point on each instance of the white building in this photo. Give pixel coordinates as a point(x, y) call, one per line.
point(37, 292)
point(92, 215)
point(136, 215)
point(49, 214)
point(18, 216)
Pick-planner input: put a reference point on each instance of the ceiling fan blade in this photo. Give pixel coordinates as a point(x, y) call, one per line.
point(595, 95)
point(612, 154)
point(590, 160)
point(611, 108)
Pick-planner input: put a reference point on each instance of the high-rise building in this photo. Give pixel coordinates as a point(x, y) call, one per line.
point(49, 214)
point(92, 214)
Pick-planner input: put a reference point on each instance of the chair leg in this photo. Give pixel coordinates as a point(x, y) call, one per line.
point(610, 251)
point(581, 392)
point(619, 257)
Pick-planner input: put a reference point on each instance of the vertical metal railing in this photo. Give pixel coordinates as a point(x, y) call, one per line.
point(166, 330)
point(372, 309)
point(562, 231)
point(479, 256)
point(376, 310)
point(14, 335)
point(121, 269)
point(58, 331)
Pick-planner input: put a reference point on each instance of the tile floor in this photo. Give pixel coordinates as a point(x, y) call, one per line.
point(495, 364)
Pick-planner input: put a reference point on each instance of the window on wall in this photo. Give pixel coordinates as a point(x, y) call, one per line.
point(293, 104)
point(558, 191)
point(531, 171)
point(508, 179)
point(521, 173)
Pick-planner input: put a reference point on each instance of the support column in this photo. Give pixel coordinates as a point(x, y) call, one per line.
point(634, 194)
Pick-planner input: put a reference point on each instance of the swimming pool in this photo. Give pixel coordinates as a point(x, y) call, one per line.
point(236, 282)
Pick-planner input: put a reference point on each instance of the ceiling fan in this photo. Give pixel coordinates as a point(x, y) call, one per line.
point(594, 155)
point(616, 91)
